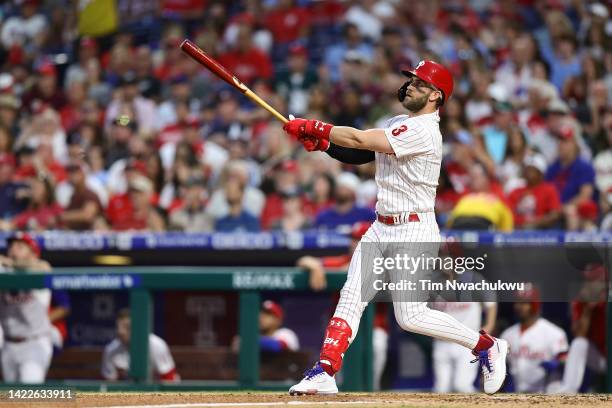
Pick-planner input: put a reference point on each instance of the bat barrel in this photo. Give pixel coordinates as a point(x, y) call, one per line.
point(204, 59)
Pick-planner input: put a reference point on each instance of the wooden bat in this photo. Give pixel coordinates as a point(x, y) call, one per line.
point(200, 56)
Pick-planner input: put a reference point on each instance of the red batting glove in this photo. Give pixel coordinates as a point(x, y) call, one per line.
point(295, 127)
point(318, 129)
point(312, 143)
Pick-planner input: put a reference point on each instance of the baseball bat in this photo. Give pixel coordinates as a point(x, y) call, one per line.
point(219, 70)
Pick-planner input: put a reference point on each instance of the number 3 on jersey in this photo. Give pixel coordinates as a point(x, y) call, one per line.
point(399, 130)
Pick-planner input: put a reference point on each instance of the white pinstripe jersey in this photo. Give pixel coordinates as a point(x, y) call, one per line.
point(407, 180)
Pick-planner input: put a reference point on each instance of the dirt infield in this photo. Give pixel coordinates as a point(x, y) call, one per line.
point(365, 400)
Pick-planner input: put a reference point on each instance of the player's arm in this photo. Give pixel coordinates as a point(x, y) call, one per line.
point(348, 155)
point(373, 139)
point(318, 135)
point(271, 344)
point(316, 276)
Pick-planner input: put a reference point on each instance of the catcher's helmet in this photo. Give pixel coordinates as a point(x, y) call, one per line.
point(434, 73)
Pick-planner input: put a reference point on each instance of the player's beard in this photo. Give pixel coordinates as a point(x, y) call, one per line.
point(415, 104)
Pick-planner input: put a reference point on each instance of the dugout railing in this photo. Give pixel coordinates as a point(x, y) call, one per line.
point(142, 281)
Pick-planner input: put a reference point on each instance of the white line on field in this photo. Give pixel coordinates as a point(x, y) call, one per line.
point(239, 404)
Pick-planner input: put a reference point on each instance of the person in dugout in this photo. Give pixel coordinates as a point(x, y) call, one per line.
point(273, 337)
point(318, 267)
point(538, 347)
point(116, 356)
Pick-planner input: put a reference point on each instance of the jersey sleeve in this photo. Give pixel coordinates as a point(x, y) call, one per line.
point(288, 337)
point(409, 138)
point(161, 358)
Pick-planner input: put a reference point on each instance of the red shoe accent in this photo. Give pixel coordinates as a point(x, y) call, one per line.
point(335, 345)
point(327, 368)
point(485, 342)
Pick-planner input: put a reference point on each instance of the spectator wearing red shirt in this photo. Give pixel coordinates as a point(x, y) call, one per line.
point(46, 91)
point(42, 212)
point(70, 114)
point(537, 205)
point(293, 218)
point(133, 210)
point(244, 60)
point(286, 179)
point(287, 22)
point(84, 206)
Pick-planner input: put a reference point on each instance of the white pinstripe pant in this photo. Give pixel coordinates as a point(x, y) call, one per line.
point(411, 311)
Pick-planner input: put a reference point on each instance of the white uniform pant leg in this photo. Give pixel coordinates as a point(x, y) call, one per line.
point(575, 365)
point(9, 363)
point(443, 367)
point(411, 311)
point(581, 354)
point(380, 341)
point(465, 371)
point(353, 297)
point(34, 360)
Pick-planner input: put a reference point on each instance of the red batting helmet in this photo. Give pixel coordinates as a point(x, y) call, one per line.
point(359, 229)
point(273, 308)
point(434, 73)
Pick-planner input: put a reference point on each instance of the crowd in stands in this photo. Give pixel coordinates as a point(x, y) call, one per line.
point(106, 125)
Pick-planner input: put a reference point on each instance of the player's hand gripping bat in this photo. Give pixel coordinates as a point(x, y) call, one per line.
point(201, 57)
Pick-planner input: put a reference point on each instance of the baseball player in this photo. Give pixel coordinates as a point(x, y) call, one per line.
point(274, 337)
point(317, 268)
point(24, 317)
point(408, 155)
point(116, 356)
point(537, 345)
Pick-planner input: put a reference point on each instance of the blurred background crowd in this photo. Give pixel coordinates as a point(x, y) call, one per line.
point(106, 125)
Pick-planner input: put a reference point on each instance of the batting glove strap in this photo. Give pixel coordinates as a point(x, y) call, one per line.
point(318, 129)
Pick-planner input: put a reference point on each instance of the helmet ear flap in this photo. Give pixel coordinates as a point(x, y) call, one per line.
point(401, 92)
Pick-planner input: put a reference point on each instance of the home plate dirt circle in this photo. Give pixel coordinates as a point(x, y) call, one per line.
point(362, 400)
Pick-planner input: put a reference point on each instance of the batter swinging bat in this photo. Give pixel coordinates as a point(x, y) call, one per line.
point(200, 56)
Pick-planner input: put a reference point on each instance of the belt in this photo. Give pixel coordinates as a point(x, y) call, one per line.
point(20, 339)
point(15, 339)
point(396, 219)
